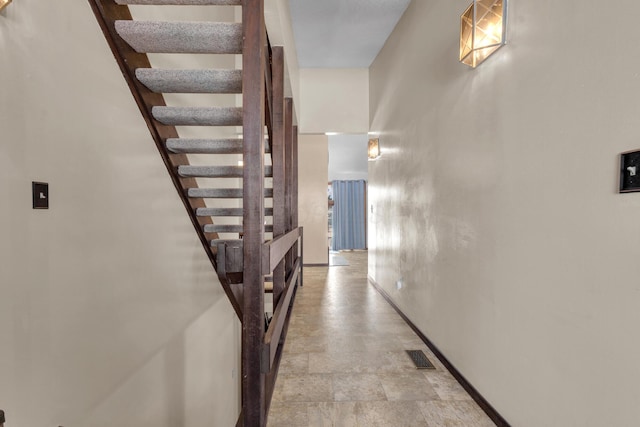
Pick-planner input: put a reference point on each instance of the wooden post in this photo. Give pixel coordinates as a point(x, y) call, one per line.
point(301, 256)
point(278, 161)
point(253, 99)
point(288, 152)
point(294, 188)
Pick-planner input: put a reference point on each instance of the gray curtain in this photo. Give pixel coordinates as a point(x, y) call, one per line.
point(349, 229)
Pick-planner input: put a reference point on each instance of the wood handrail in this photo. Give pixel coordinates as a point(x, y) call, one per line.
point(276, 249)
point(274, 333)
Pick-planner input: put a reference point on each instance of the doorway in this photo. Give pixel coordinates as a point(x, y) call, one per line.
point(347, 192)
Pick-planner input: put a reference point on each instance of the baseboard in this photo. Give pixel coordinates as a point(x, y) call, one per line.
point(475, 395)
point(316, 265)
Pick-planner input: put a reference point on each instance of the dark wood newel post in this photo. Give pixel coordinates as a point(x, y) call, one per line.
point(301, 256)
point(294, 185)
point(253, 101)
point(278, 160)
point(288, 185)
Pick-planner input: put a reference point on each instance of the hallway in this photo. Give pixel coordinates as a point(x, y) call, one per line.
point(344, 362)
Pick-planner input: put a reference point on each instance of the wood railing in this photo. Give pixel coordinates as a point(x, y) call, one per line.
point(266, 103)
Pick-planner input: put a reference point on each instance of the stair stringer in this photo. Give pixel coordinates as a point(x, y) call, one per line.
point(107, 13)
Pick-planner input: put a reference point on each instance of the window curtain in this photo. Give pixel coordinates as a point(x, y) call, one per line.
point(349, 216)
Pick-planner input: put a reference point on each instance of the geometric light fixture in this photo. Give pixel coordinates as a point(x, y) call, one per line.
point(373, 151)
point(483, 28)
point(4, 3)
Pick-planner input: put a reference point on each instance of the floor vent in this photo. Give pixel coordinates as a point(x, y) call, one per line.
point(420, 359)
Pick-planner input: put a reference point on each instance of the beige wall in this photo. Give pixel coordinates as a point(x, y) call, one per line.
point(278, 21)
point(313, 158)
point(110, 312)
point(495, 204)
point(334, 100)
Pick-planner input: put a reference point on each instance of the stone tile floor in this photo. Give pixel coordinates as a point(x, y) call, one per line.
point(344, 361)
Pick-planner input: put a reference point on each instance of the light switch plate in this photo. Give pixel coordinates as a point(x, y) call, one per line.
point(630, 172)
point(40, 192)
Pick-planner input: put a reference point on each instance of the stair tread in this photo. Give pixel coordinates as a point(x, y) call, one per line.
point(190, 81)
point(229, 242)
point(181, 37)
point(204, 146)
point(230, 228)
point(216, 171)
point(198, 116)
point(207, 146)
point(182, 2)
point(227, 212)
point(221, 193)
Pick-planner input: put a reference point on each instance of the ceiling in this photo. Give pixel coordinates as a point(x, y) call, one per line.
point(342, 33)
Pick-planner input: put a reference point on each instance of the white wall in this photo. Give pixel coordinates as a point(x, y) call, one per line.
point(278, 21)
point(495, 201)
point(334, 100)
point(313, 206)
point(348, 157)
point(110, 312)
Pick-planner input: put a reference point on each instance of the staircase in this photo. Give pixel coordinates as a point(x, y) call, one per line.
point(239, 187)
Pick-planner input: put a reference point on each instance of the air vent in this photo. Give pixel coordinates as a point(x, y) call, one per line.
point(420, 359)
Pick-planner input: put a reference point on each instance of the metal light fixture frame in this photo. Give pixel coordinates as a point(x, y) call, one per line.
point(4, 3)
point(483, 30)
point(373, 150)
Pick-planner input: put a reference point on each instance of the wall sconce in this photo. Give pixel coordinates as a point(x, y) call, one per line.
point(4, 3)
point(483, 27)
point(374, 149)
